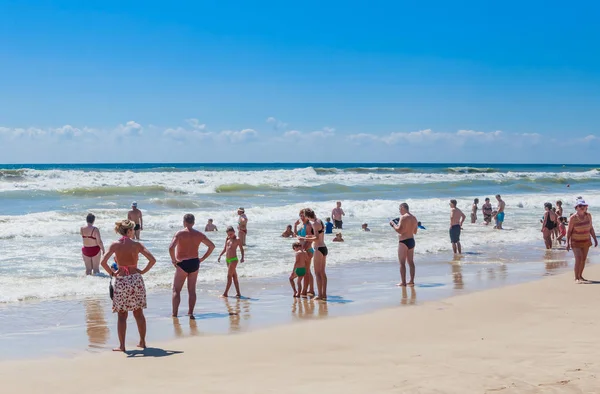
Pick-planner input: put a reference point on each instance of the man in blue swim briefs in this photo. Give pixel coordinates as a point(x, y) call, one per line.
point(500, 214)
point(406, 229)
point(184, 256)
point(457, 218)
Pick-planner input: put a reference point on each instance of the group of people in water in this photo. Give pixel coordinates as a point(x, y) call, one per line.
point(129, 293)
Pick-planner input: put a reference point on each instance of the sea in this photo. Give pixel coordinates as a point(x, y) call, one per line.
point(44, 205)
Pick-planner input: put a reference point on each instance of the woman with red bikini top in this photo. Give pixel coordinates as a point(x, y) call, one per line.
point(93, 248)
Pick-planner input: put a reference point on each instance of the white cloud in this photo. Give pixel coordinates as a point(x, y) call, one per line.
point(195, 123)
point(277, 124)
point(66, 131)
point(429, 136)
point(324, 133)
point(238, 136)
point(182, 134)
point(130, 128)
point(590, 138)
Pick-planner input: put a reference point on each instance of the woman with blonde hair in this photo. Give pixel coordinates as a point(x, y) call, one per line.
point(129, 290)
point(320, 257)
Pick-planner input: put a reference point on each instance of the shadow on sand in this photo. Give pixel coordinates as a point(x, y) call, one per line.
point(151, 352)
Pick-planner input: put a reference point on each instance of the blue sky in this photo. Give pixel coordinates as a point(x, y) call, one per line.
point(228, 81)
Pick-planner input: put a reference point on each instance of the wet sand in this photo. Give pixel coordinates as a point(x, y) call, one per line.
point(69, 327)
point(536, 337)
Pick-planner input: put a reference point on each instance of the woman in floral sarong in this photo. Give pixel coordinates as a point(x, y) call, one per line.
point(129, 290)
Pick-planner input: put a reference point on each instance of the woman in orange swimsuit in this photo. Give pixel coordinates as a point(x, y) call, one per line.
point(129, 290)
point(578, 238)
point(93, 248)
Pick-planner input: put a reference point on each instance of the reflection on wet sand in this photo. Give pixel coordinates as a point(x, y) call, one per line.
point(96, 327)
point(304, 308)
point(457, 277)
point(323, 311)
point(552, 264)
point(413, 296)
point(234, 309)
point(178, 328)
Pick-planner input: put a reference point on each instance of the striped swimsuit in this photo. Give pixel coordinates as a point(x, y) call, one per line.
point(580, 237)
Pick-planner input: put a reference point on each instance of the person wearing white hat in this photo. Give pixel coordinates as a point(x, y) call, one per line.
point(242, 225)
point(580, 231)
point(135, 215)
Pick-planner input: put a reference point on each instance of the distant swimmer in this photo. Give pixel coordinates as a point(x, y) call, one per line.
point(474, 211)
point(184, 257)
point(548, 224)
point(365, 227)
point(299, 270)
point(487, 211)
point(210, 226)
point(328, 226)
point(579, 233)
point(406, 227)
point(242, 225)
point(232, 243)
point(93, 248)
point(129, 292)
point(135, 215)
point(500, 213)
point(457, 218)
point(337, 214)
point(420, 226)
point(338, 238)
point(288, 233)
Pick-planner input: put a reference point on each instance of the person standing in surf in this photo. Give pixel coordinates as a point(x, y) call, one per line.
point(487, 211)
point(548, 224)
point(309, 280)
point(457, 218)
point(93, 248)
point(242, 225)
point(579, 232)
point(135, 215)
point(406, 228)
point(184, 256)
point(337, 214)
point(500, 212)
point(474, 211)
point(129, 291)
point(230, 252)
point(318, 240)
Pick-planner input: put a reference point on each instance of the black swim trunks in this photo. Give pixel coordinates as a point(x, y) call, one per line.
point(337, 224)
point(455, 233)
point(190, 266)
point(323, 250)
point(137, 227)
point(409, 242)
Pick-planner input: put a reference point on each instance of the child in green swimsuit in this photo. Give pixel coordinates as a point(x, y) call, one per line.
point(299, 267)
point(230, 251)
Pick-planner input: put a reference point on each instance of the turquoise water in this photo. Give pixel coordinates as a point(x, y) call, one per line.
point(44, 205)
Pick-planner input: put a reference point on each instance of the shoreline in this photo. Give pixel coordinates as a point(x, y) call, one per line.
point(516, 338)
point(72, 326)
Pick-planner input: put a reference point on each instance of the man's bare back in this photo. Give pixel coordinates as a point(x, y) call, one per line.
point(456, 215)
point(407, 226)
point(188, 242)
point(135, 215)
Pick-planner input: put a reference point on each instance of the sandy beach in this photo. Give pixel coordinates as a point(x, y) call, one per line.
point(526, 338)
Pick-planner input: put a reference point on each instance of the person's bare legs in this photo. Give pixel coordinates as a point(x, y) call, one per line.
point(238, 294)
point(319, 274)
point(309, 281)
point(178, 281)
point(96, 263)
point(324, 278)
point(191, 286)
point(454, 247)
point(410, 256)
point(458, 246)
point(137, 234)
point(88, 264)
point(402, 253)
point(584, 254)
point(547, 238)
point(300, 283)
point(140, 319)
point(578, 253)
point(242, 237)
point(293, 284)
point(121, 330)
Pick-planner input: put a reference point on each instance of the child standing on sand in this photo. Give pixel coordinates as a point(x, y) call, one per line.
point(299, 267)
point(230, 251)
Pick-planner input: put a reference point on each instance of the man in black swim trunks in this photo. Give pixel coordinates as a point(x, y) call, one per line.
point(184, 256)
point(406, 228)
point(457, 218)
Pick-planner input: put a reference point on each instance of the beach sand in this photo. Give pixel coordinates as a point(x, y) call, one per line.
point(536, 337)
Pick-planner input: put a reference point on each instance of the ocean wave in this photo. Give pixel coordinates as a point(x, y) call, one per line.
point(379, 170)
point(470, 170)
point(245, 187)
point(12, 175)
point(118, 190)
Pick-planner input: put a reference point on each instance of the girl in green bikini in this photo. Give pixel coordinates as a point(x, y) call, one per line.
point(299, 267)
point(231, 245)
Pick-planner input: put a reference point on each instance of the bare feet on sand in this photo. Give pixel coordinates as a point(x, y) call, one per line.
point(119, 349)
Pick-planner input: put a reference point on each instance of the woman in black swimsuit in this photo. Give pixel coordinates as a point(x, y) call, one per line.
point(320, 259)
point(548, 225)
